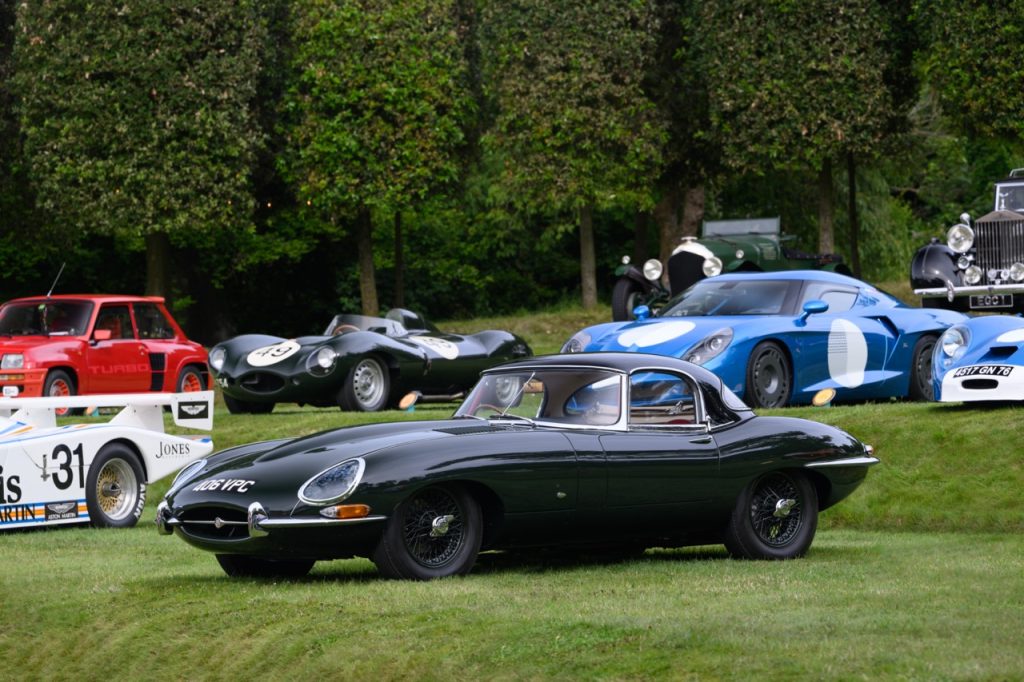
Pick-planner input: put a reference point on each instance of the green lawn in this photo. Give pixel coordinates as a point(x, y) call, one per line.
point(918, 575)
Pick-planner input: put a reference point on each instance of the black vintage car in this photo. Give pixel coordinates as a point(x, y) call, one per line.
point(606, 450)
point(981, 264)
point(360, 363)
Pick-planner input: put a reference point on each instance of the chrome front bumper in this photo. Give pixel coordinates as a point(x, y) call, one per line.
point(978, 290)
point(258, 522)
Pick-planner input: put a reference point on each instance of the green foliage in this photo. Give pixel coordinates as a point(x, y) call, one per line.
point(137, 116)
point(573, 124)
point(378, 102)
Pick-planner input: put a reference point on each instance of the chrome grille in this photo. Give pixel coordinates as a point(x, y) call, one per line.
point(218, 523)
point(998, 245)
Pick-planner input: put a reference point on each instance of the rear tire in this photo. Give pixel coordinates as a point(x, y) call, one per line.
point(921, 387)
point(242, 566)
point(775, 517)
point(115, 487)
point(626, 295)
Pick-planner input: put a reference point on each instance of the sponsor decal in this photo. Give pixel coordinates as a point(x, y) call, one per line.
point(446, 349)
point(984, 371)
point(173, 450)
point(271, 355)
point(20, 513)
point(193, 410)
point(225, 485)
point(10, 488)
point(56, 511)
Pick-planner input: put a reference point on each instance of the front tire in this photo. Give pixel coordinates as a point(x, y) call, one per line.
point(366, 387)
point(435, 533)
point(59, 384)
point(190, 380)
point(769, 376)
point(626, 295)
point(115, 488)
point(921, 387)
point(241, 566)
point(775, 517)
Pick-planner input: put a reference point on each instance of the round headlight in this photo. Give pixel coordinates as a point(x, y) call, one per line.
point(325, 357)
point(217, 356)
point(963, 262)
point(712, 266)
point(739, 254)
point(972, 275)
point(709, 347)
point(321, 361)
point(333, 484)
point(954, 341)
point(577, 343)
point(1017, 272)
point(652, 269)
point(960, 238)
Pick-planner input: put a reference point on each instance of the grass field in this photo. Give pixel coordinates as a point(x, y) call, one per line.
point(919, 575)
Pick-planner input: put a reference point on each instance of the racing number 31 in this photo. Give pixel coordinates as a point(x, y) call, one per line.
point(64, 477)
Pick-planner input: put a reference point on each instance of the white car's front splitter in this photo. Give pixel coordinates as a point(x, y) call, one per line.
point(983, 382)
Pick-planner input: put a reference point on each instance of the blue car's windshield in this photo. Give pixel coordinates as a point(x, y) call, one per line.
point(733, 297)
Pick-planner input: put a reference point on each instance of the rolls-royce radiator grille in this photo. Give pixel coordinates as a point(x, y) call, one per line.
point(999, 244)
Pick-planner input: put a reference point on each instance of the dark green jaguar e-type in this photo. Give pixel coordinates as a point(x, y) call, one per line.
point(605, 450)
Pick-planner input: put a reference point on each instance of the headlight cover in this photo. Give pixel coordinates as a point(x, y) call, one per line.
point(217, 356)
point(321, 361)
point(954, 342)
point(960, 238)
point(13, 361)
point(333, 484)
point(187, 473)
point(712, 266)
point(653, 269)
point(709, 347)
point(577, 343)
point(972, 275)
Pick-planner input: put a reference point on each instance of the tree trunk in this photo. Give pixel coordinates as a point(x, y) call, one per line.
point(693, 211)
point(851, 179)
point(367, 280)
point(640, 222)
point(399, 263)
point(588, 275)
point(666, 216)
point(826, 230)
point(158, 255)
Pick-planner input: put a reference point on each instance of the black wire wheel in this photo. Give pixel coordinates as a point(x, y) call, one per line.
point(775, 517)
point(434, 533)
point(921, 387)
point(769, 376)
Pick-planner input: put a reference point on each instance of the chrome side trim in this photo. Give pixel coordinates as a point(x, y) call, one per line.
point(164, 521)
point(314, 523)
point(976, 289)
point(848, 462)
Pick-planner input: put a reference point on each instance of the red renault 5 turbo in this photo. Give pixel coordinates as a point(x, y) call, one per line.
point(82, 344)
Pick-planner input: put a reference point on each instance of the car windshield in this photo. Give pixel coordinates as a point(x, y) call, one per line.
point(364, 323)
point(581, 396)
point(1010, 197)
point(51, 317)
point(732, 297)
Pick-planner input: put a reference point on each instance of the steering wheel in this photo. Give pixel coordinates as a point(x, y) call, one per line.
point(342, 328)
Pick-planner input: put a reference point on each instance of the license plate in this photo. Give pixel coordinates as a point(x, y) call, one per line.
point(984, 371)
point(992, 301)
point(10, 391)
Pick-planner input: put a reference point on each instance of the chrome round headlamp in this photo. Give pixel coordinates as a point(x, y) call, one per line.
point(1017, 272)
point(972, 275)
point(653, 269)
point(333, 484)
point(712, 266)
point(963, 262)
point(217, 356)
point(960, 238)
point(321, 361)
point(954, 341)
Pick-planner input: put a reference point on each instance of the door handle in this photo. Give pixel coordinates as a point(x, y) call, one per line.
point(703, 440)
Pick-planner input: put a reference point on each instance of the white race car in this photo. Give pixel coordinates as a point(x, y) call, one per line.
point(94, 472)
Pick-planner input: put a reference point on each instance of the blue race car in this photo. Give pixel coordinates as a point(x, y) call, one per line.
point(979, 359)
point(780, 338)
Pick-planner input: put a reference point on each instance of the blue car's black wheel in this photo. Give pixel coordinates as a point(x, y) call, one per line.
point(921, 370)
point(775, 517)
point(769, 377)
point(435, 533)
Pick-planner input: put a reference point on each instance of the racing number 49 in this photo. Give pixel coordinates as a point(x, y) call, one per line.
point(64, 456)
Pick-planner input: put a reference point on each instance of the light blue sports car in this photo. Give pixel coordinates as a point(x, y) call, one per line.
point(980, 359)
point(780, 338)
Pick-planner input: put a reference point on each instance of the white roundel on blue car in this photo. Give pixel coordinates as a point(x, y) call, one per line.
point(646, 335)
point(446, 349)
point(847, 354)
point(1012, 336)
point(271, 355)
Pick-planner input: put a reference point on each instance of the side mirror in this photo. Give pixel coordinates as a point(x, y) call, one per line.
point(101, 335)
point(641, 312)
point(814, 307)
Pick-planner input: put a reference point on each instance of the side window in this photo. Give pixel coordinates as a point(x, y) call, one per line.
point(116, 320)
point(661, 399)
point(596, 404)
point(153, 324)
point(839, 299)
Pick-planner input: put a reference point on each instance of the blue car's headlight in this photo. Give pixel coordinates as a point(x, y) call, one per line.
point(185, 475)
point(952, 345)
point(711, 346)
point(333, 484)
point(577, 343)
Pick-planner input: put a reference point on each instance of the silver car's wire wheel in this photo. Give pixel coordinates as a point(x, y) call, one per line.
point(776, 510)
point(368, 382)
point(117, 489)
point(433, 528)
